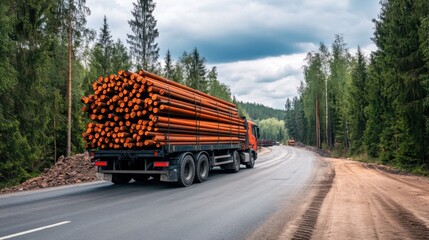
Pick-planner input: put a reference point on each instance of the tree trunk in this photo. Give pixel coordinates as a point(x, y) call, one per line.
point(69, 118)
point(327, 134)
point(318, 143)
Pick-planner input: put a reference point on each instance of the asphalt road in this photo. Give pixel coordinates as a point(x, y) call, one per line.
point(227, 206)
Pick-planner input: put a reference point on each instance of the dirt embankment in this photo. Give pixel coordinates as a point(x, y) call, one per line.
point(69, 170)
point(360, 201)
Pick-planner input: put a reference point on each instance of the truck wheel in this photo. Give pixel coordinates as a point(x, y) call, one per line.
point(121, 178)
point(251, 163)
point(234, 167)
point(202, 168)
point(186, 172)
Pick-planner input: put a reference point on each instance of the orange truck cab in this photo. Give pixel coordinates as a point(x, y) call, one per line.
point(253, 135)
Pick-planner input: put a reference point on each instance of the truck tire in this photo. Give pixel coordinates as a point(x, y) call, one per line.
point(186, 173)
point(202, 168)
point(251, 163)
point(121, 178)
point(234, 167)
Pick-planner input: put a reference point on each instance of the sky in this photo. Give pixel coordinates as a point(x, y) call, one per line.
point(258, 46)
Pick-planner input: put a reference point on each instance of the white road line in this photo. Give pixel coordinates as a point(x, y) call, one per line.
point(34, 230)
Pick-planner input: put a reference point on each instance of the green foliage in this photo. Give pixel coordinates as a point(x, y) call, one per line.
point(356, 97)
point(33, 89)
point(296, 123)
point(120, 59)
point(143, 46)
point(13, 154)
point(194, 67)
point(217, 88)
point(258, 111)
point(168, 68)
point(273, 129)
point(313, 93)
point(103, 49)
point(106, 57)
point(402, 73)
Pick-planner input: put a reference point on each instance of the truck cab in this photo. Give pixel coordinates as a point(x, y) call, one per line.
point(253, 135)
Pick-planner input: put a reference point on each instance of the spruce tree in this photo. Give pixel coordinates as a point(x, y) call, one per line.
point(168, 65)
point(105, 43)
point(195, 70)
point(143, 46)
point(357, 100)
point(120, 59)
point(217, 88)
point(403, 65)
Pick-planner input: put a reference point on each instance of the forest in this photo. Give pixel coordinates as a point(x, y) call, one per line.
point(48, 60)
point(375, 106)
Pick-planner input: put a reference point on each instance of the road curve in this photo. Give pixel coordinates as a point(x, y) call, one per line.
point(227, 206)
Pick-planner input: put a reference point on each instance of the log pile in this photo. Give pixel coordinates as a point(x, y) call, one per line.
point(142, 110)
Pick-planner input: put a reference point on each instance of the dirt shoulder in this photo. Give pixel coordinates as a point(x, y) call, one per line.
point(353, 200)
point(367, 203)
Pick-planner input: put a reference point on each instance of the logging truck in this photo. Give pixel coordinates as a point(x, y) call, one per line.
point(144, 126)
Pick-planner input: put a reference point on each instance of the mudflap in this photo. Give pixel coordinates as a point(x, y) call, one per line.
point(171, 176)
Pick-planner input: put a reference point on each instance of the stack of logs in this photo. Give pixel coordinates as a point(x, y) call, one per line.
point(135, 110)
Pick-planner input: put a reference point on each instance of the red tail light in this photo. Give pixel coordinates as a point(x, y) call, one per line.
point(161, 164)
point(101, 164)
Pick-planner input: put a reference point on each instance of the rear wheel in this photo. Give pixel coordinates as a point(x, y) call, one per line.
point(234, 167)
point(202, 168)
point(186, 172)
point(121, 178)
point(251, 163)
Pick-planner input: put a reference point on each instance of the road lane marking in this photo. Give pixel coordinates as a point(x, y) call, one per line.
point(34, 230)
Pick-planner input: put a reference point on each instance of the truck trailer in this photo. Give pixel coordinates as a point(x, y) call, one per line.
point(145, 126)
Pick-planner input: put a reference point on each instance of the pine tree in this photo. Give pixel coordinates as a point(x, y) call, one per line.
point(299, 118)
point(105, 43)
point(143, 46)
point(74, 20)
point(337, 83)
point(217, 88)
point(290, 119)
point(120, 58)
point(357, 100)
point(168, 67)
point(314, 96)
point(195, 70)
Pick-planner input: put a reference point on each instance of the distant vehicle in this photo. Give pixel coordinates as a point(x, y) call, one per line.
point(291, 142)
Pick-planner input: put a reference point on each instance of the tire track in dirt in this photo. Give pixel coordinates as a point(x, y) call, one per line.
point(414, 226)
point(309, 219)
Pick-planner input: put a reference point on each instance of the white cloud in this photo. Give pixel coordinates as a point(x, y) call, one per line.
point(248, 79)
